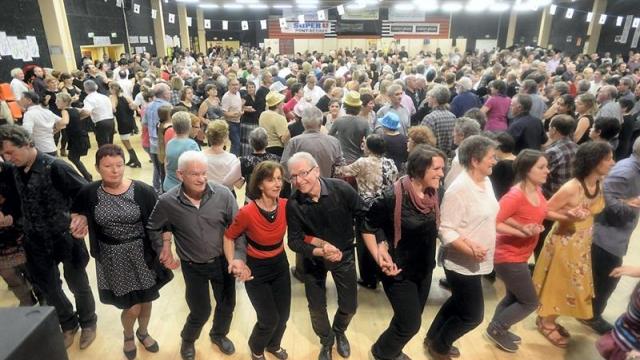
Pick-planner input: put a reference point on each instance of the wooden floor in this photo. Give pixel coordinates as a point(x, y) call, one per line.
point(374, 313)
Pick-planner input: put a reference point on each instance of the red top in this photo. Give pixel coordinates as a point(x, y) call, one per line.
point(288, 108)
point(169, 134)
point(514, 204)
point(256, 227)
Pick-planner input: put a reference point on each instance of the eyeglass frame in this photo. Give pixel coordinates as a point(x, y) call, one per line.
point(302, 174)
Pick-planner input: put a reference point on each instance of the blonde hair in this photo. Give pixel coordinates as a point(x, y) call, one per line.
point(217, 132)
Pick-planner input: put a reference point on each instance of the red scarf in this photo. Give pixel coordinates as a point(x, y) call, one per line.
point(425, 205)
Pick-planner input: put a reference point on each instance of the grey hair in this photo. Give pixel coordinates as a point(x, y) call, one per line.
point(311, 118)
point(392, 89)
point(15, 71)
point(628, 82)
point(466, 127)
point(302, 156)
point(583, 86)
point(189, 157)
point(636, 147)
point(440, 93)
point(474, 148)
point(160, 89)
point(90, 86)
point(610, 90)
point(181, 122)
point(465, 83)
point(258, 138)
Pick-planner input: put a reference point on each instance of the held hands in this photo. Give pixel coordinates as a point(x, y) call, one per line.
point(532, 229)
point(478, 252)
point(634, 202)
point(166, 257)
point(578, 213)
point(385, 261)
point(331, 253)
point(5, 220)
point(78, 226)
point(240, 270)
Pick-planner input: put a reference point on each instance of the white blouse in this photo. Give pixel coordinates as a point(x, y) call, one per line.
point(468, 210)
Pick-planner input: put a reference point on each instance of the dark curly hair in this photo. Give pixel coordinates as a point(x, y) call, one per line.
point(15, 134)
point(588, 157)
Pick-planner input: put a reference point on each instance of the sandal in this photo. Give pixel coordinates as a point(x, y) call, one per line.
point(130, 354)
point(561, 329)
point(558, 340)
point(154, 348)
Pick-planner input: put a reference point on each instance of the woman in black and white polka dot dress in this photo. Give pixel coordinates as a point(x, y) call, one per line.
point(127, 267)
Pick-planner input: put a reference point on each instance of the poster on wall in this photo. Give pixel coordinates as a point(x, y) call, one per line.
point(133, 40)
point(636, 37)
point(399, 15)
point(4, 44)
point(421, 28)
point(308, 27)
point(207, 24)
point(627, 28)
point(101, 40)
point(144, 40)
point(360, 14)
point(172, 18)
point(34, 50)
point(168, 41)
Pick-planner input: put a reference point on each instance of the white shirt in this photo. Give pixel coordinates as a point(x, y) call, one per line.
point(453, 172)
point(231, 102)
point(219, 165)
point(284, 72)
point(314, 94)
point(18, 87)
point(39, 122)
point(99, 106)
point(127, 87)
point(469, 211)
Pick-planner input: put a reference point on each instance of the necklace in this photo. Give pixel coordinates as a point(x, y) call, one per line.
point(586, 190)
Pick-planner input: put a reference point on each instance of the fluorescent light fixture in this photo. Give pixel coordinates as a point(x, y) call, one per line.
point(233, 6)
point(499, 7)
point(306, 1)
point(208, 6)
point(404, 7)
point(246, 1)
point(552, 9)
point(282, 6)
point(307, 6)
point(451, 6)
point(426, 5)
point(187, 1)
point(477, 5)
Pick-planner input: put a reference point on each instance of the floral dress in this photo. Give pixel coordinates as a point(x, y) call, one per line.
point(563, 277)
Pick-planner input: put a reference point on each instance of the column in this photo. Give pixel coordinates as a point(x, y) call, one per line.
point(593, 32)
point(202, 39)
point(56, 28)
point(158, 28)
point(511, 30)
point(545, 28)
point(184, 28)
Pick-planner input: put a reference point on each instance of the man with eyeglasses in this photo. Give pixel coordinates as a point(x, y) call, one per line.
point(197, 213)
point(323, 210)
point(395, 94)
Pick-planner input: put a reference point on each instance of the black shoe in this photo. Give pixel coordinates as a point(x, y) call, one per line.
point(296, 274)
point(598, 324)
point(454, 352)
point(279, 353)
point(367, 285)
point(444, 284)
point(134, 164)
point(130, 354)
point(342, 345)
point(154, 348)
point(224, 344)
point(257, 357)
point(501, 339)
point(325, 353)
point(515, 338)
point(187, 351)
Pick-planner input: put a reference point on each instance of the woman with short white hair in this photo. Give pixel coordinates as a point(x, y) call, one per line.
point(18, 86)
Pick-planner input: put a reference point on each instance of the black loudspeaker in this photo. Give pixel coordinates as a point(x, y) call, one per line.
point(30, 333)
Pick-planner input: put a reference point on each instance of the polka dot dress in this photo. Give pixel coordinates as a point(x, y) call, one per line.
point(121, 269)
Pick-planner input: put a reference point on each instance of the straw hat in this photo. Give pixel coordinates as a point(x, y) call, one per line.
point(274, 98)
point(353, 99)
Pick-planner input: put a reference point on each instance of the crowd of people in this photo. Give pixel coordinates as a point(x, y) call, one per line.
point(376, 165)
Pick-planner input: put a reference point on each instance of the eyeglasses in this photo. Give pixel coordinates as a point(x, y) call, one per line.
point(302, 174)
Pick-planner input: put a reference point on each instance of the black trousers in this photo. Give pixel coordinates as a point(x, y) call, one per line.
point(603, 262)
point(197, 278)
point(408, 297)
point(548, 224)
point(461, 313)
point(42, 263)
point(270, 295)
point(104, 132)
point(367, 267)
point(75, 159)
point(315, 286)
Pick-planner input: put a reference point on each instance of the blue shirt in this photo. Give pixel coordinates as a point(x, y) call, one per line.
point(152, 119)
point(175, 147)
point(463, 102)
point(613, 226)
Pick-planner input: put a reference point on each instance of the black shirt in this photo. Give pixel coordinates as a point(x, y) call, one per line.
point(528, 132)
point(502, 177)
point(331, 218)
point(396, 146)
point(295, 128)
point(323, 103)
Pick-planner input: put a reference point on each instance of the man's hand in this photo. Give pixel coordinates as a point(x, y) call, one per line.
point(331, 253)
point(386, 263)
point(240, 270)
point(5, 220)
point(78, 227)
point(634, 202)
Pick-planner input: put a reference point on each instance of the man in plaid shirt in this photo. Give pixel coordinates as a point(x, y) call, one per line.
point(560, 154)
point(440, 120)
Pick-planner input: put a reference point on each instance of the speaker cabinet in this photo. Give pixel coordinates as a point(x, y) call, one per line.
point(30, 333)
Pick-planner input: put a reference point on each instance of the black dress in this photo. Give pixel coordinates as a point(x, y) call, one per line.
point(77, 135)
point(585, 137)
point(124, 117)
point(248, 122)
point(502, 177)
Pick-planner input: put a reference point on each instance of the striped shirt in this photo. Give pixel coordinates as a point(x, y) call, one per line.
point(626, 330)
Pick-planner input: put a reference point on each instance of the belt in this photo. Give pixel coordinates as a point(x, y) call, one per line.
point(210, 261)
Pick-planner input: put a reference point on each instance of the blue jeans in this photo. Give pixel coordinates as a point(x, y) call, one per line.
point(234, 136)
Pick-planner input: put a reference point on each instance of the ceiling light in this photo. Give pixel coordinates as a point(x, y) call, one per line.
point(187, 1)
point(282, 6)
point(499, 7)
point(426, 5)
point(258, 6)
point(246, 1)
point(307, 6)
point(404, 7)
point(208, 6)
point(451, 7)
point(306, 1)
point(477, 6)
point(233, 6)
